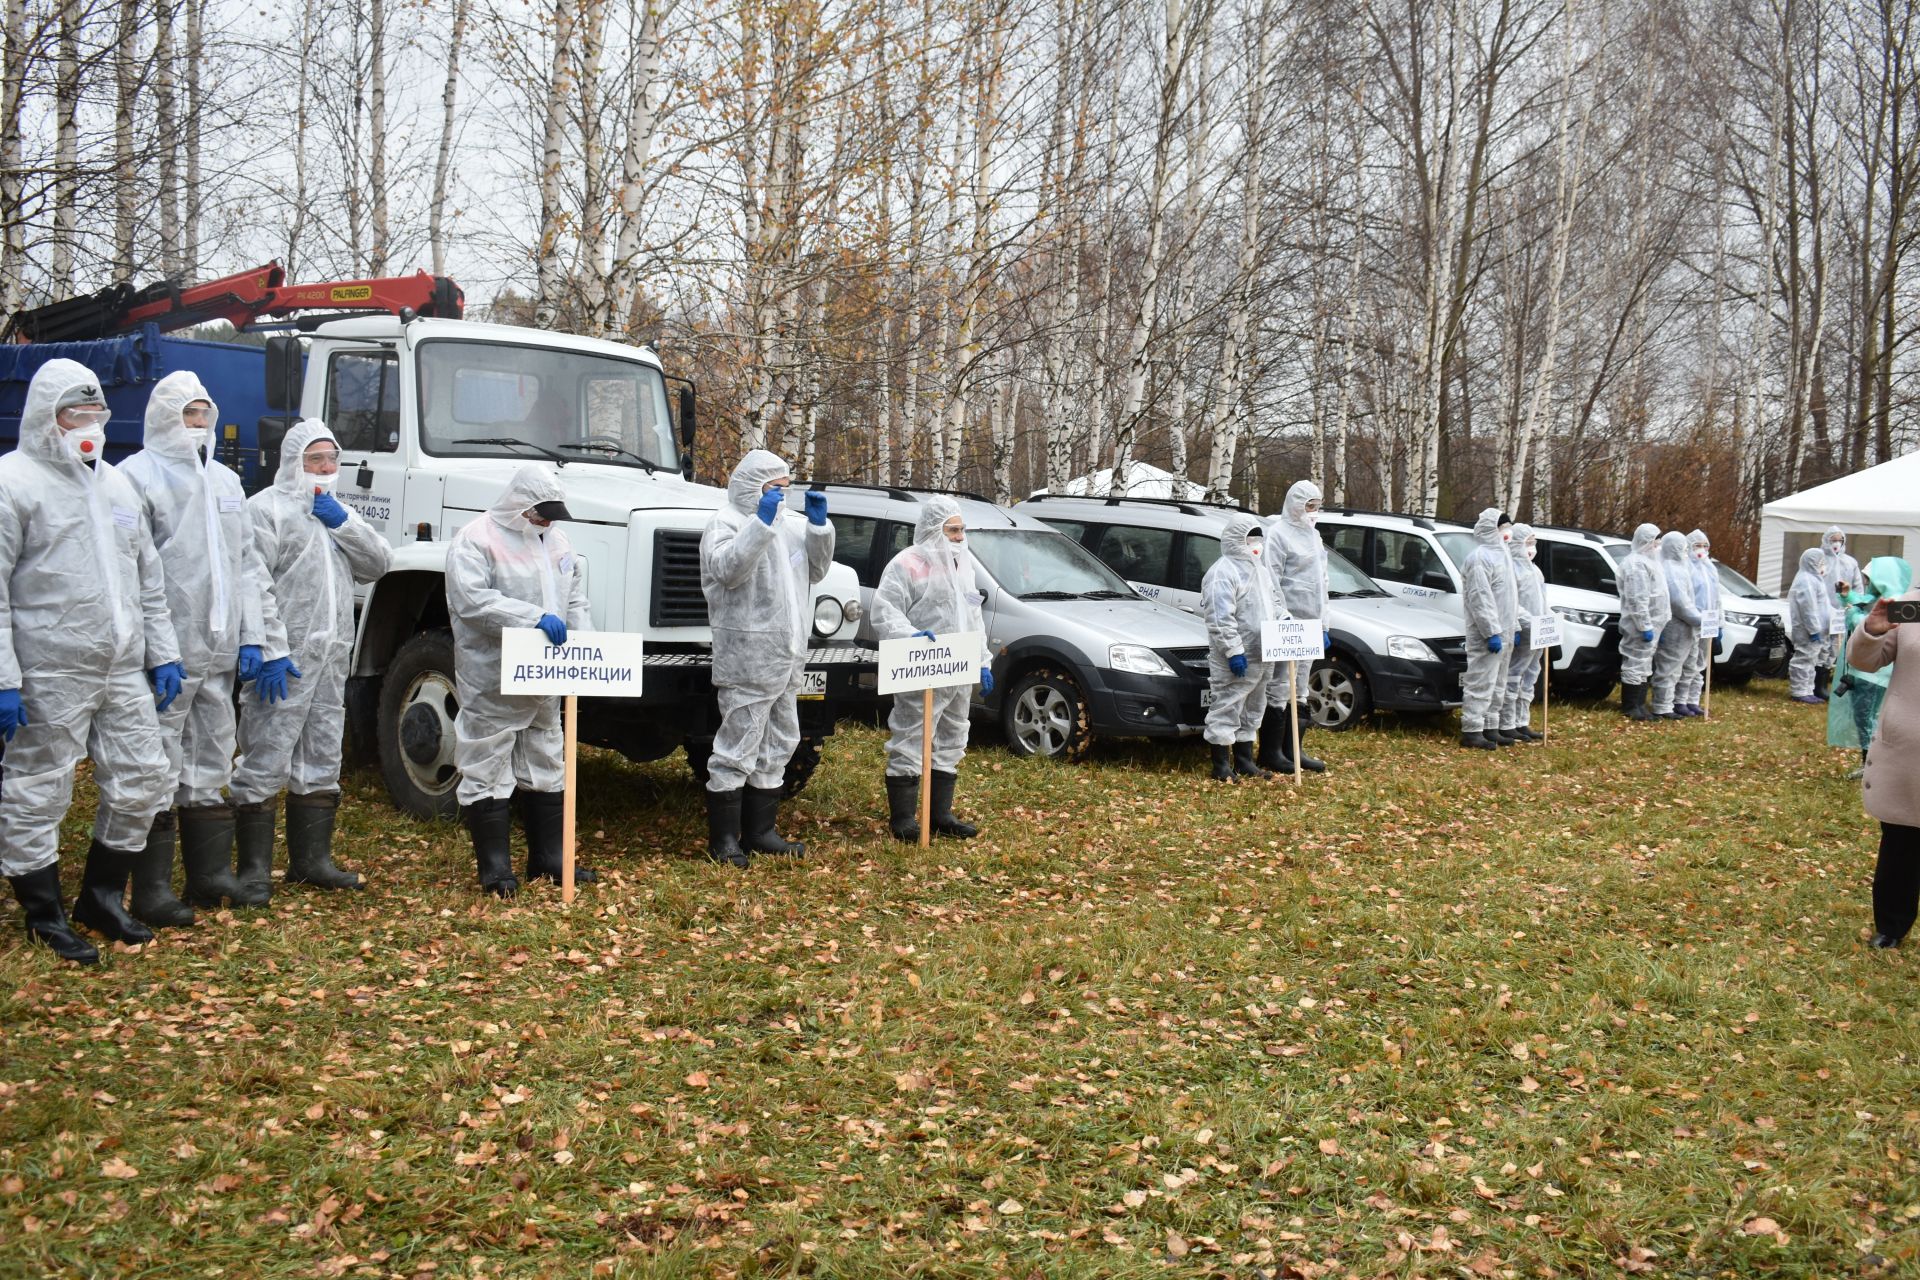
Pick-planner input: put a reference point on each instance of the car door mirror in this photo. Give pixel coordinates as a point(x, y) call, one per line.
point(1436, 580)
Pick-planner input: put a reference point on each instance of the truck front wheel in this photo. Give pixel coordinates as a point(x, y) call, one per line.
point(417, 706)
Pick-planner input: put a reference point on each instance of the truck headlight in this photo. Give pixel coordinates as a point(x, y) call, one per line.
point(1138, 659)
point(828, 614)
point(1586, 617)
point(852, 611)
point(1410, 649)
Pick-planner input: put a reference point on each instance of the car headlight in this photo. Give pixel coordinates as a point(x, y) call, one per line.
point(828, 613)
point(851, 611)
point(1138, 659)
point(1586, 617)
point(1746, 619)
point(1410, 649)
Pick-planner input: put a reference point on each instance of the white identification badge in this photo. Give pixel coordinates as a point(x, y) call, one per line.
point(230, 504)
point(126, 518)
point(566, 563)
point(798, 558)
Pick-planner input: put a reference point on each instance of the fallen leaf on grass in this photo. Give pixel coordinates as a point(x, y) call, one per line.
point(115, 1167)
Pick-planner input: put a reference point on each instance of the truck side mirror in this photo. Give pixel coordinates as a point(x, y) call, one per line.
point(687, 429)
point(285, 366)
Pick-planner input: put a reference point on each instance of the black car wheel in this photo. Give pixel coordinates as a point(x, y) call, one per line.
point(417, 707)
point(1045, 714)
point(1337, 694)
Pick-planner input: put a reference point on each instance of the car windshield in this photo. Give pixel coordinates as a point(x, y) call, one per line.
point(1346, 582)
point(1737, 584)
point(1458, 546)
point(1039, 564)
point(491, 399)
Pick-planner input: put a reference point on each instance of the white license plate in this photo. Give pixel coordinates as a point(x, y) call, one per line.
point(1777, 653)
point(1206, 697)
point(813, 684)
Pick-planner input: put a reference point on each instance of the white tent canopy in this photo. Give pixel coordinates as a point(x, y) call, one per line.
point(1879, 508)
point(1143, 481)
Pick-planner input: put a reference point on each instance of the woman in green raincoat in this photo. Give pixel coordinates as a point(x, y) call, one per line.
point(1854, 708)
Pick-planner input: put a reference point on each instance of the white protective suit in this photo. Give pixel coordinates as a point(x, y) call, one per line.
point(1809, 619)
point(1236, 598)
point(1643, 605)
point(83, 618)
point(1523, 664)
point(218, 592)
point(296, 743)
point(1681, 636)
point(758, 579)
point(1706, 598)
point(929, 587)
point(504, 571)
point(1842, 570)
point(1297, 559)
point(1489, 598)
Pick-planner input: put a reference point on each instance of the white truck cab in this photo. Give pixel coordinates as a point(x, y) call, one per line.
point(432, 417)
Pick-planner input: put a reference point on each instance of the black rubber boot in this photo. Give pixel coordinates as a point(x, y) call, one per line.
point(723, 829)
point(940, 809)
point(39, 895)
point(490, 823)
point(1274, 741)
point(1526, 734)
point(542, 814)
point(252, 827)
point(1633, 698)
point(759, 810)
point(1503, 737)
point(310, 842)
point(1822, 678)
point(206, 851)
point(1478, 740)
point(153, 900)
point(1244, 764)
point(1222, 762)
point(102, 904)
point(903, 808)
point(1307, 762)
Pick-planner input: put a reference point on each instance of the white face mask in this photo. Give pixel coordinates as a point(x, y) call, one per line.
point(1312, 518)
point(1532, 551)
point(323, 482)
point(1505, 536)
point(1254, 549)
point(88, 444)
point(197, 436)
point(1699, 553)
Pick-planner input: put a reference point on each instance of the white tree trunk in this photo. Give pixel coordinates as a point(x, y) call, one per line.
point(13, 92)
point(66, 156)
point(302, 96)
point(377, 136)
point(126, 80)
point(443, 157)
point(643, 120)
point(548, 263)
point(591, 270)
point(191, 196)
point(167, 138)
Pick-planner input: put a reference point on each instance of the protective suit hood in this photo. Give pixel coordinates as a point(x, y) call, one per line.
point(531, 485)
point(1813, 560)
point(53, 382)
point(1295, 507)
point(1518, 547)
point(1834, 539)
point(1233, 537)
point(1673, 546)
point(1644, 539)
point(930, 529)
point(291, 477)
point(750, 478)
point(165, 433)
point(1486, 530)
point(1699, 539)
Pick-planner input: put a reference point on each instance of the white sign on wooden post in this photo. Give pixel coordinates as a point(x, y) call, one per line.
point(1292, 640)
point(601, 664)
point(1543, 630)
point(1709, 624)
point(917, 663)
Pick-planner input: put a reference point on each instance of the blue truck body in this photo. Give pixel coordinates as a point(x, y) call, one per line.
point(129, 365)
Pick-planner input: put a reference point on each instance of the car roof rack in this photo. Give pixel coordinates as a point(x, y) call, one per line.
point(1591, 535)
point(1429, 523)
point(898, 493)
point(1186, 506)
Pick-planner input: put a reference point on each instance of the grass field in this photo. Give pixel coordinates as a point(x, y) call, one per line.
point(1597, 1008)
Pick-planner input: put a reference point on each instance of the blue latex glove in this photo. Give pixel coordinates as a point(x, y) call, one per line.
point(328, 511)
point(1237, 664)
point(770, 503)
point(928, 634)
point(1494, 644)
point(816, 507)
point(1326, 639)
point(166, 679)
point(250, 660)
point(556, 629)
point(12, 714)
point(1647, 635)
point(271, 684)
point(986, 679)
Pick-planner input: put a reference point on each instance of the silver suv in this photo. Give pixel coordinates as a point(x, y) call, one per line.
point(1078, 654)
point(1386, 655)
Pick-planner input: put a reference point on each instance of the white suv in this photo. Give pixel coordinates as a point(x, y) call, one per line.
point(1418, 559)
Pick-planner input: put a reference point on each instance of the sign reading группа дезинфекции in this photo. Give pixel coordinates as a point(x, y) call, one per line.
point(594, 664)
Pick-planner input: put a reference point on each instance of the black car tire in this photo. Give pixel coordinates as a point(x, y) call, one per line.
point(1338, 696)
point(417, 707)
point(1045, 714)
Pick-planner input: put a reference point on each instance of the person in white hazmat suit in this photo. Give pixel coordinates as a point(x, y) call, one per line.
point(1843, 578)
point(221, 604)
point(1523, 664)
point(313, 549)
point(1297, 559)
point(1681, 636)
point(1236, 600)
point(509, 567)
point(1706, 598)
point(928, 590)
point(1490, 604)
point(1809, 618)
point(1644, 610)
point(758, 565)
point(86, 648)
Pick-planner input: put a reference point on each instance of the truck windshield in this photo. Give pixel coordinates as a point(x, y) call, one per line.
point(492, 399)
point(1037, 564)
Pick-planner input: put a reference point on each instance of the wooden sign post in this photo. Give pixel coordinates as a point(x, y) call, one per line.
point(916, 663)
point(1709, 632)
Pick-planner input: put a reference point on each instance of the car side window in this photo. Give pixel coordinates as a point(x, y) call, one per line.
point(1406, 557)
point(890, 540)
point(363, 401)
point(1197, 555)
point(1075, 529)
point(1350, 540)
point(853, 547)
point(1569, 564)
point(1138, 555)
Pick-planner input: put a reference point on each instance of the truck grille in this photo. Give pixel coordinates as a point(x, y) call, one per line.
point(678, 600)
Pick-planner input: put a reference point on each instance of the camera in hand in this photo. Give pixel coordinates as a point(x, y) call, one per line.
point(1903, 611)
